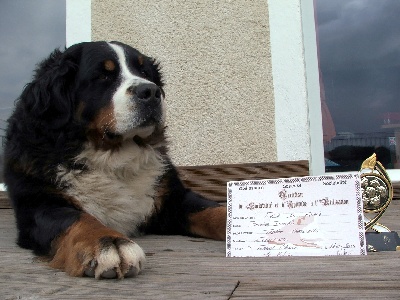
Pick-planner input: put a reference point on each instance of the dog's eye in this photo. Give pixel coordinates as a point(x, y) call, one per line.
point(104, 77)
point(144, 73)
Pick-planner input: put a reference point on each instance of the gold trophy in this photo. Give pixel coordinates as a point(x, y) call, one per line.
point(377, 193)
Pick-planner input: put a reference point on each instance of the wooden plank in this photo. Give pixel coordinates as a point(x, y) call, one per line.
point(396, 190)
point(4, 201)
point(194, 268)
point(210, 180)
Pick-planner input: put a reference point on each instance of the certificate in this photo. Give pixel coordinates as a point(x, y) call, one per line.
point(299, 216)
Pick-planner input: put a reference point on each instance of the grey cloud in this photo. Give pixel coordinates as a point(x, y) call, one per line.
point(353, 32)
point(359, 44)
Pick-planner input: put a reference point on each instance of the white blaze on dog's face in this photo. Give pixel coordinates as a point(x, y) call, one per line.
point(138, 102)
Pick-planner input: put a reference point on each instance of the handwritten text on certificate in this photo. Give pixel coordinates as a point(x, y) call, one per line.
point(310, 216)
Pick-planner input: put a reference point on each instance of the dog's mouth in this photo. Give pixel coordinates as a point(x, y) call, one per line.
point(139, 136)
point(111, 136)
point(139, 141)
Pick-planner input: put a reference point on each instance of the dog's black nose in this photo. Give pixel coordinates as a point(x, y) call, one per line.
point(147, 92)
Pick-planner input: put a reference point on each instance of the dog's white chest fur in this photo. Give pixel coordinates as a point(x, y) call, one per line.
point(118, 187)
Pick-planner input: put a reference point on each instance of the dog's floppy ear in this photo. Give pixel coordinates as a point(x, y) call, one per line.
point(50, 96)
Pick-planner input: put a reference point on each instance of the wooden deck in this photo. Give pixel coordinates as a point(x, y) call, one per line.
point(188, 268)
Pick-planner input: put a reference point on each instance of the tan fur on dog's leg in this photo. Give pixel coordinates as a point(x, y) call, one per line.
point(88, 247)
point(209, 223)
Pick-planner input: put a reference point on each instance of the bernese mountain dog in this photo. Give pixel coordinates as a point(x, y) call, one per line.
point(87, 165)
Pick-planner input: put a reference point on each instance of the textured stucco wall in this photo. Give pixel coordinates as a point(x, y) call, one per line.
point(217, 67)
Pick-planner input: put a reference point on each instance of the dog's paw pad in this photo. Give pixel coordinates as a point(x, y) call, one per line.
point(89, 271)
point(110, 274)
point(132, 272)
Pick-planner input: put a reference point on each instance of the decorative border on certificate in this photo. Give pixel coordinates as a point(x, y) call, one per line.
point(309, 216)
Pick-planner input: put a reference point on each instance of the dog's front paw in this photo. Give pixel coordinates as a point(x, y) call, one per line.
point(114, 258)
point(92, 249)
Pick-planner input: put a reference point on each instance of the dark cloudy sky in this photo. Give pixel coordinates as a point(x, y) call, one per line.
point(29, 30)
point(360, 60)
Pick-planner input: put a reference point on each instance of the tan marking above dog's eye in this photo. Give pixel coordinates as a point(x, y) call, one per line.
point(109, 65)
point(141, 60)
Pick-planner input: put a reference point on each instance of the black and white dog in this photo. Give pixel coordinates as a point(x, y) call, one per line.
point(87, 166)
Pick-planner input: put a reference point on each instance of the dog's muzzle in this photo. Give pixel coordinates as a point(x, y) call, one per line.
point(148, 98)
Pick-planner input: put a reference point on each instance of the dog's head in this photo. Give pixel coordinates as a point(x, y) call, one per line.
point(110, 89)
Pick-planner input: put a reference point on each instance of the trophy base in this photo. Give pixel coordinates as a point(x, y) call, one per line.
point(382, 241)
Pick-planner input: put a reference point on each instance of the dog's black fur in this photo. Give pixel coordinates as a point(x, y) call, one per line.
point(66, 128)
